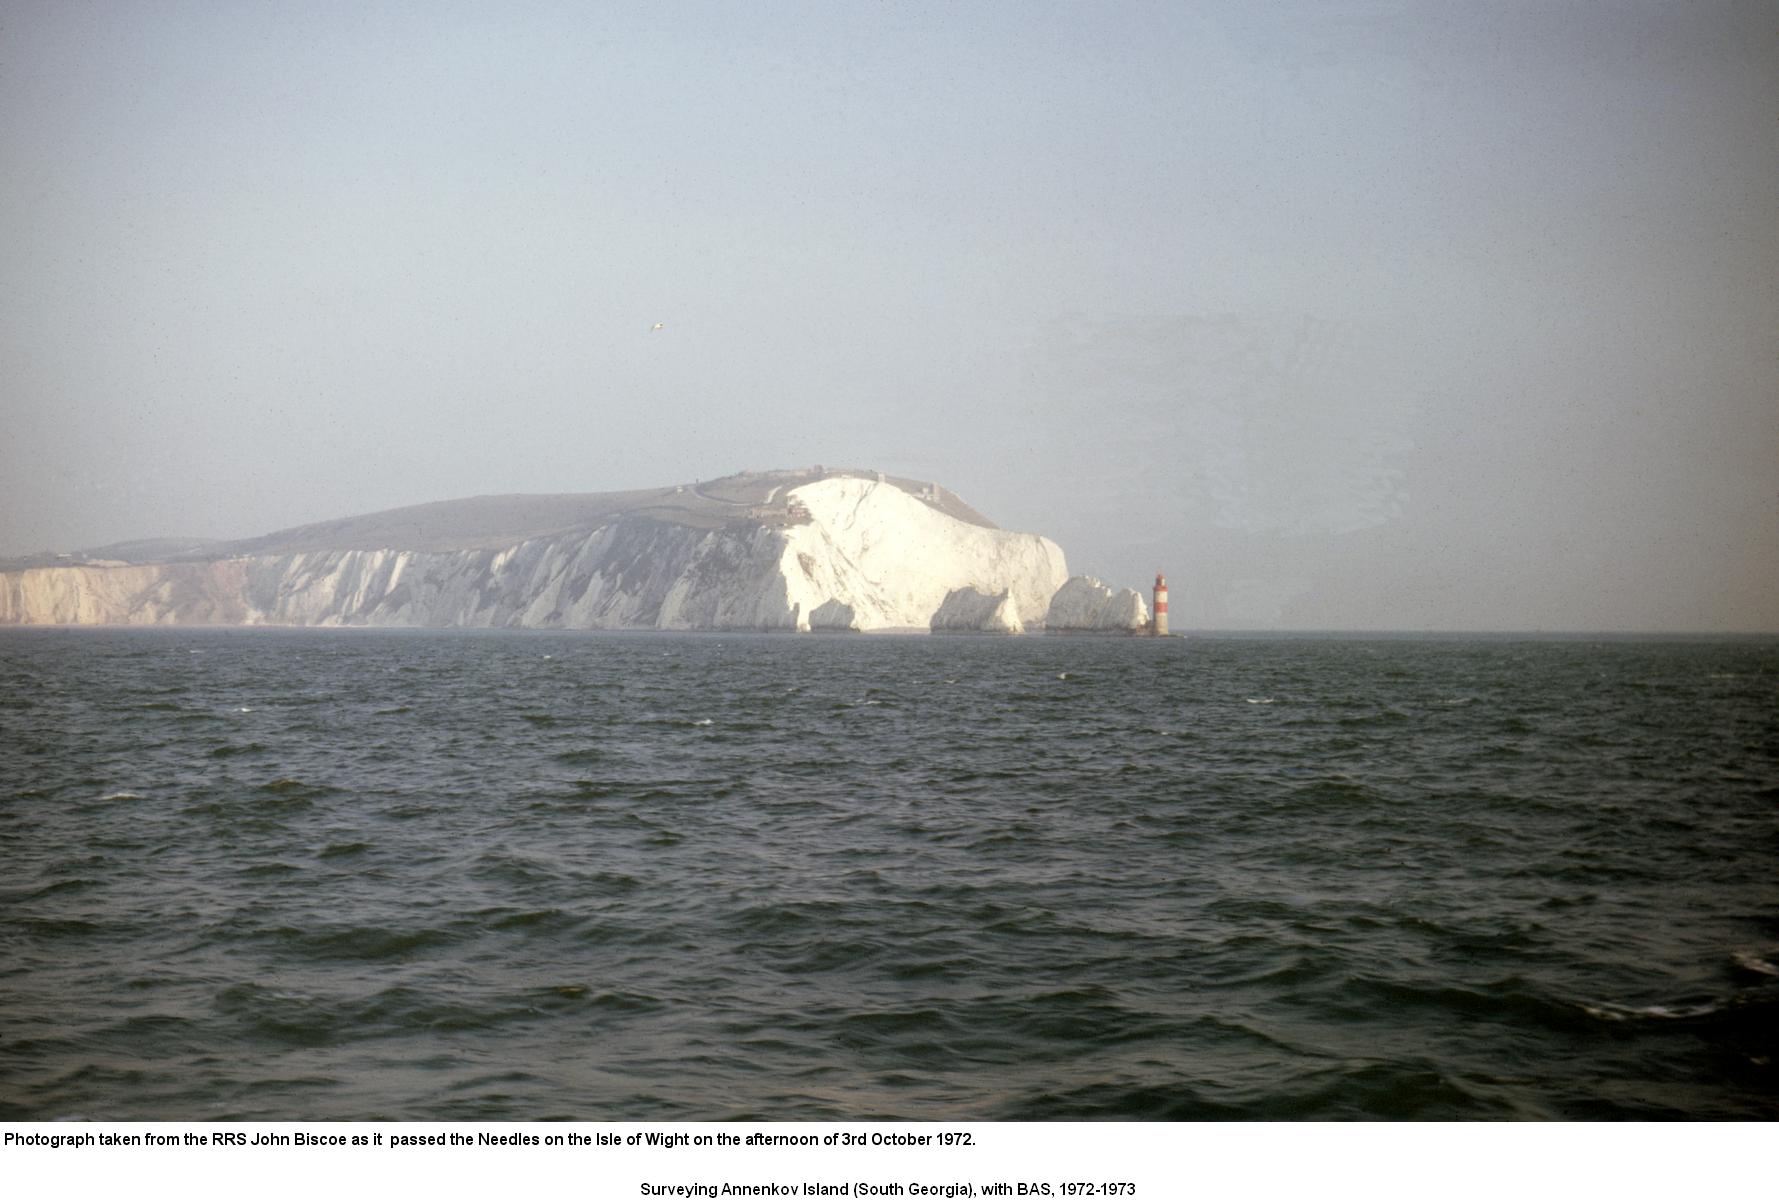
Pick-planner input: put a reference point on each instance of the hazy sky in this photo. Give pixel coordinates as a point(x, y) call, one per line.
point(1352, 315)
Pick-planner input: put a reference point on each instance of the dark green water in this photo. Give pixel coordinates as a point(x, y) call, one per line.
point(257, 874)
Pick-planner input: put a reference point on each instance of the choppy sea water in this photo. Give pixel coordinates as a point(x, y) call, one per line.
point(380, 875)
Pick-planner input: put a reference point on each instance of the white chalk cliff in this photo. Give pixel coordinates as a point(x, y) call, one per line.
point(843, 551)
point(892, 559)
point(1083, 605)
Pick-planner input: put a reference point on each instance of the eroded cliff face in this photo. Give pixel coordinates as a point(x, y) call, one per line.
point(158, 594)
point(870, 557)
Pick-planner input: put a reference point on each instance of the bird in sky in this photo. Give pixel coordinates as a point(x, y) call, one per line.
point(657, 325)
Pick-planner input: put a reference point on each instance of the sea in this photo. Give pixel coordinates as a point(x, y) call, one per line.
point(405, 875)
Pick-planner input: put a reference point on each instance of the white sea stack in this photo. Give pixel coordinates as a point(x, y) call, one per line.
point(1085, 606)
point(833, 617)
point(966, 610)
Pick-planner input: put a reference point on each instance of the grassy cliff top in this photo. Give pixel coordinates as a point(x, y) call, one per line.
point(496, 522)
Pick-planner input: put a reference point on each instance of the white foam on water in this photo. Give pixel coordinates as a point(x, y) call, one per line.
point(1750, 961)
point(121, 796)
point(1622, 1013)
point(1260, 700)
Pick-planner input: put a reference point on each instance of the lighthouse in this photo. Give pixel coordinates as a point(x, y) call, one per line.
point(1159, 628)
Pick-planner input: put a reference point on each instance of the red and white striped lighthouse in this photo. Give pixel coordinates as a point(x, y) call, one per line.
point(1159, 628)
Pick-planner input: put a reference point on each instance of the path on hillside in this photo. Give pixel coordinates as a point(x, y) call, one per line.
point(701, 494)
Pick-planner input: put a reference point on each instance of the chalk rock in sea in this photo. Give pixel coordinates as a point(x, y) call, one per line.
point(968, 611)
point(833, 616)
point(1086, 606)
